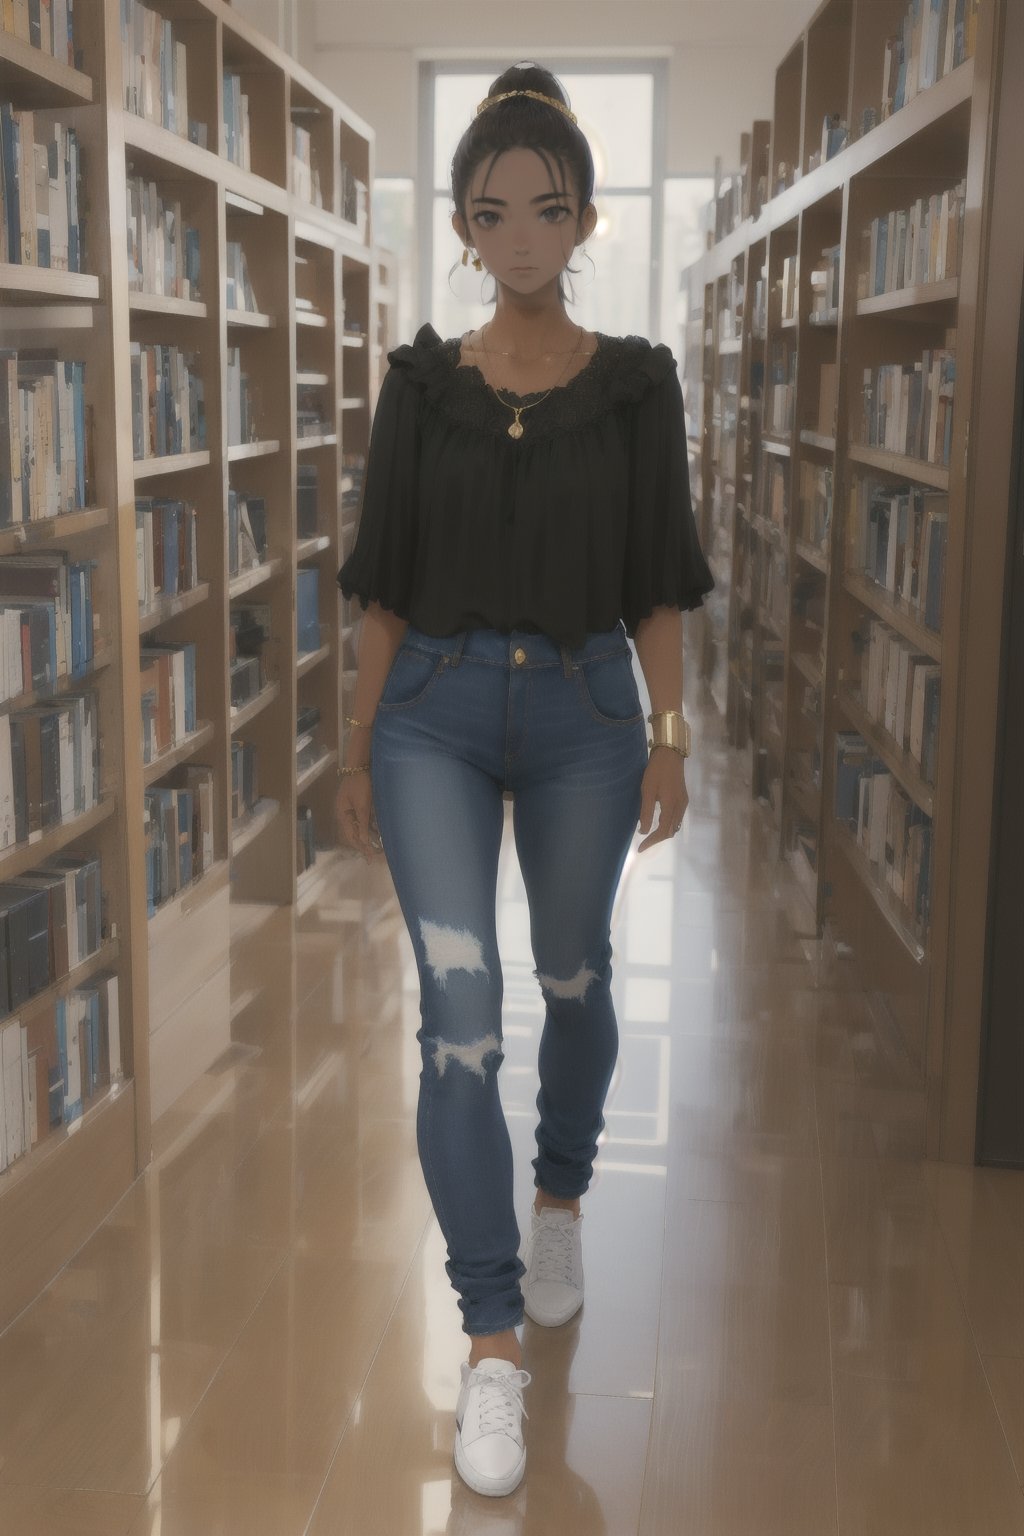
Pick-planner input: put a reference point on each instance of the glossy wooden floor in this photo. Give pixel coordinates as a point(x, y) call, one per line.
point(794, 1325)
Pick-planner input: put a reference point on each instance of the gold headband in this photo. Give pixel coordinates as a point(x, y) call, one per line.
point(537, 96)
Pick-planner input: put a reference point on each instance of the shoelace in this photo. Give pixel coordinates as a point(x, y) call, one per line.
point(500, 1395)
point(554, 1253)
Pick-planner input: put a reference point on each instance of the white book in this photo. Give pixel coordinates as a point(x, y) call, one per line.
point(178, 681)
point(15, 1110)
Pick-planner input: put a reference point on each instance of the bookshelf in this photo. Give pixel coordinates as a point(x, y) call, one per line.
point(834, 464)
point(246, 295)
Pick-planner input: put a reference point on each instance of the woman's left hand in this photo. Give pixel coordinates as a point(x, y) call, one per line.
point(663, 784)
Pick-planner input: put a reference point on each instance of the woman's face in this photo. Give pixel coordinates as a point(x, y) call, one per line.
point(524, 232)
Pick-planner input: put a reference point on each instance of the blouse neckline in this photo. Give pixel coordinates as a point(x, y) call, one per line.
point(455, 356)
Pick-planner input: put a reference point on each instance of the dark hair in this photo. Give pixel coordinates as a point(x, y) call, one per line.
point(524, 123)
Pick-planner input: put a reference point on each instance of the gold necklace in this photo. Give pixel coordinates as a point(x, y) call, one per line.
point(516, 428)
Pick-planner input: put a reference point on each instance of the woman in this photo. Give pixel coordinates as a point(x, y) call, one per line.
point(526, 507)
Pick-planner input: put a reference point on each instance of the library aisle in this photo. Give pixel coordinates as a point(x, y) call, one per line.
point(795, 1324)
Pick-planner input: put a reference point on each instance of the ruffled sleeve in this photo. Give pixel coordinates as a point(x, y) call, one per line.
point(664, 564)
point(382, 562)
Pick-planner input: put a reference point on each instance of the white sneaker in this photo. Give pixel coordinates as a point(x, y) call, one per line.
point(553, 1283)
point(489, 1450)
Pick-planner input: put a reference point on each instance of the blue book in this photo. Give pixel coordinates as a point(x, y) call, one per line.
point(307, 608)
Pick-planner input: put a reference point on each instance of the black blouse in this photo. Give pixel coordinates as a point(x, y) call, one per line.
point(585, 519)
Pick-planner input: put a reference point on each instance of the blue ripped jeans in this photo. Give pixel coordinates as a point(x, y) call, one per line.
point(461, 719)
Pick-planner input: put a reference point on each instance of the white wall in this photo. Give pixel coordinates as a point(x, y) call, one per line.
point(722, 53)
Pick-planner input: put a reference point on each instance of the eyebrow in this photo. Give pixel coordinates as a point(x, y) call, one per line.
point(503, 204)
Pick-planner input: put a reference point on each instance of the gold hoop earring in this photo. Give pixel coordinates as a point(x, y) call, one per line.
point(478, 265)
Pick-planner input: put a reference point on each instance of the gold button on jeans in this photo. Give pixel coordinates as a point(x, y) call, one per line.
point(519, 656)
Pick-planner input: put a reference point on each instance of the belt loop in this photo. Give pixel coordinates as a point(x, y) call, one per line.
point(456, 655)
point(566, 661)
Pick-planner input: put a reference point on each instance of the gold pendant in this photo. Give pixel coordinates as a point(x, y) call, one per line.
point(516, 429)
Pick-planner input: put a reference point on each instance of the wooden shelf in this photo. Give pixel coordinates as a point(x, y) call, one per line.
point(322, 440)
point(23, 284)
point(250, 319)
point(817, 440)
point(102, 657)
point(179, 753)
point(169, 914)
point(239, 451)
point(776, 445)
point(30, 78)
point(900, 763)
point(170, 607)
point(920, 296)
point(309, 659)
point(935, 475)
point(247, 581)
point(812, 556)
point(162, 304)
point(310, 319)
point(308, 378)
point(170, 463)
point(240, 718)
point(305, 549)
point(54, 839)
point(861, 865)
point(249, 827)
point(52, 530)
point(309, 775)
point(886, 607)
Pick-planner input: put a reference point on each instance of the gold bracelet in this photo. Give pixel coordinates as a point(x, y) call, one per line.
point(670, 729)
point(363, 724)
point(358, 768)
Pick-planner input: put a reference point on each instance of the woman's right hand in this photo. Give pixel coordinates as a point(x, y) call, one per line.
point(354, 810)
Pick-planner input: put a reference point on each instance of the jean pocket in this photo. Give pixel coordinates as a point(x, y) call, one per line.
point(609, 689)
point(412, 675)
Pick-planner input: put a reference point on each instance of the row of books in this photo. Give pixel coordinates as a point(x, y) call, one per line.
point(908, 407)
point(775, 586)
point(908, 246)
point(307, 501)
point(53, 1066)
point(311, 417)
point(835, 135)
point(49, 765)
point(935, 37)
point(40, 168)
point(308, 750)
point(45, 458)
point(782, 391)
point(48, 25)
point(168, 678)
point(775, 493)
point(239, 293)
point(166, 554)
point(247, 531)
point(178, 832)
point(156, 72)
point(245, 786)
point(248, 635)
point(241, 412)
point(891, 829)
point(46, 621)
point(305, 172)
point(826, 285)
point(898, 536)
point(168, 407)
point(237, 145)
point(163, 250)
point(900, 690)
point(307, 608)
point(354, 199)
point(815, 508)
point(51, 920)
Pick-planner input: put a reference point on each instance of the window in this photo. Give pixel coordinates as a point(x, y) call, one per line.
point(620, 109)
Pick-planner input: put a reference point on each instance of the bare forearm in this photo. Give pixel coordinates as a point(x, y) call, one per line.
point(659, 647)
point(380, 636)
